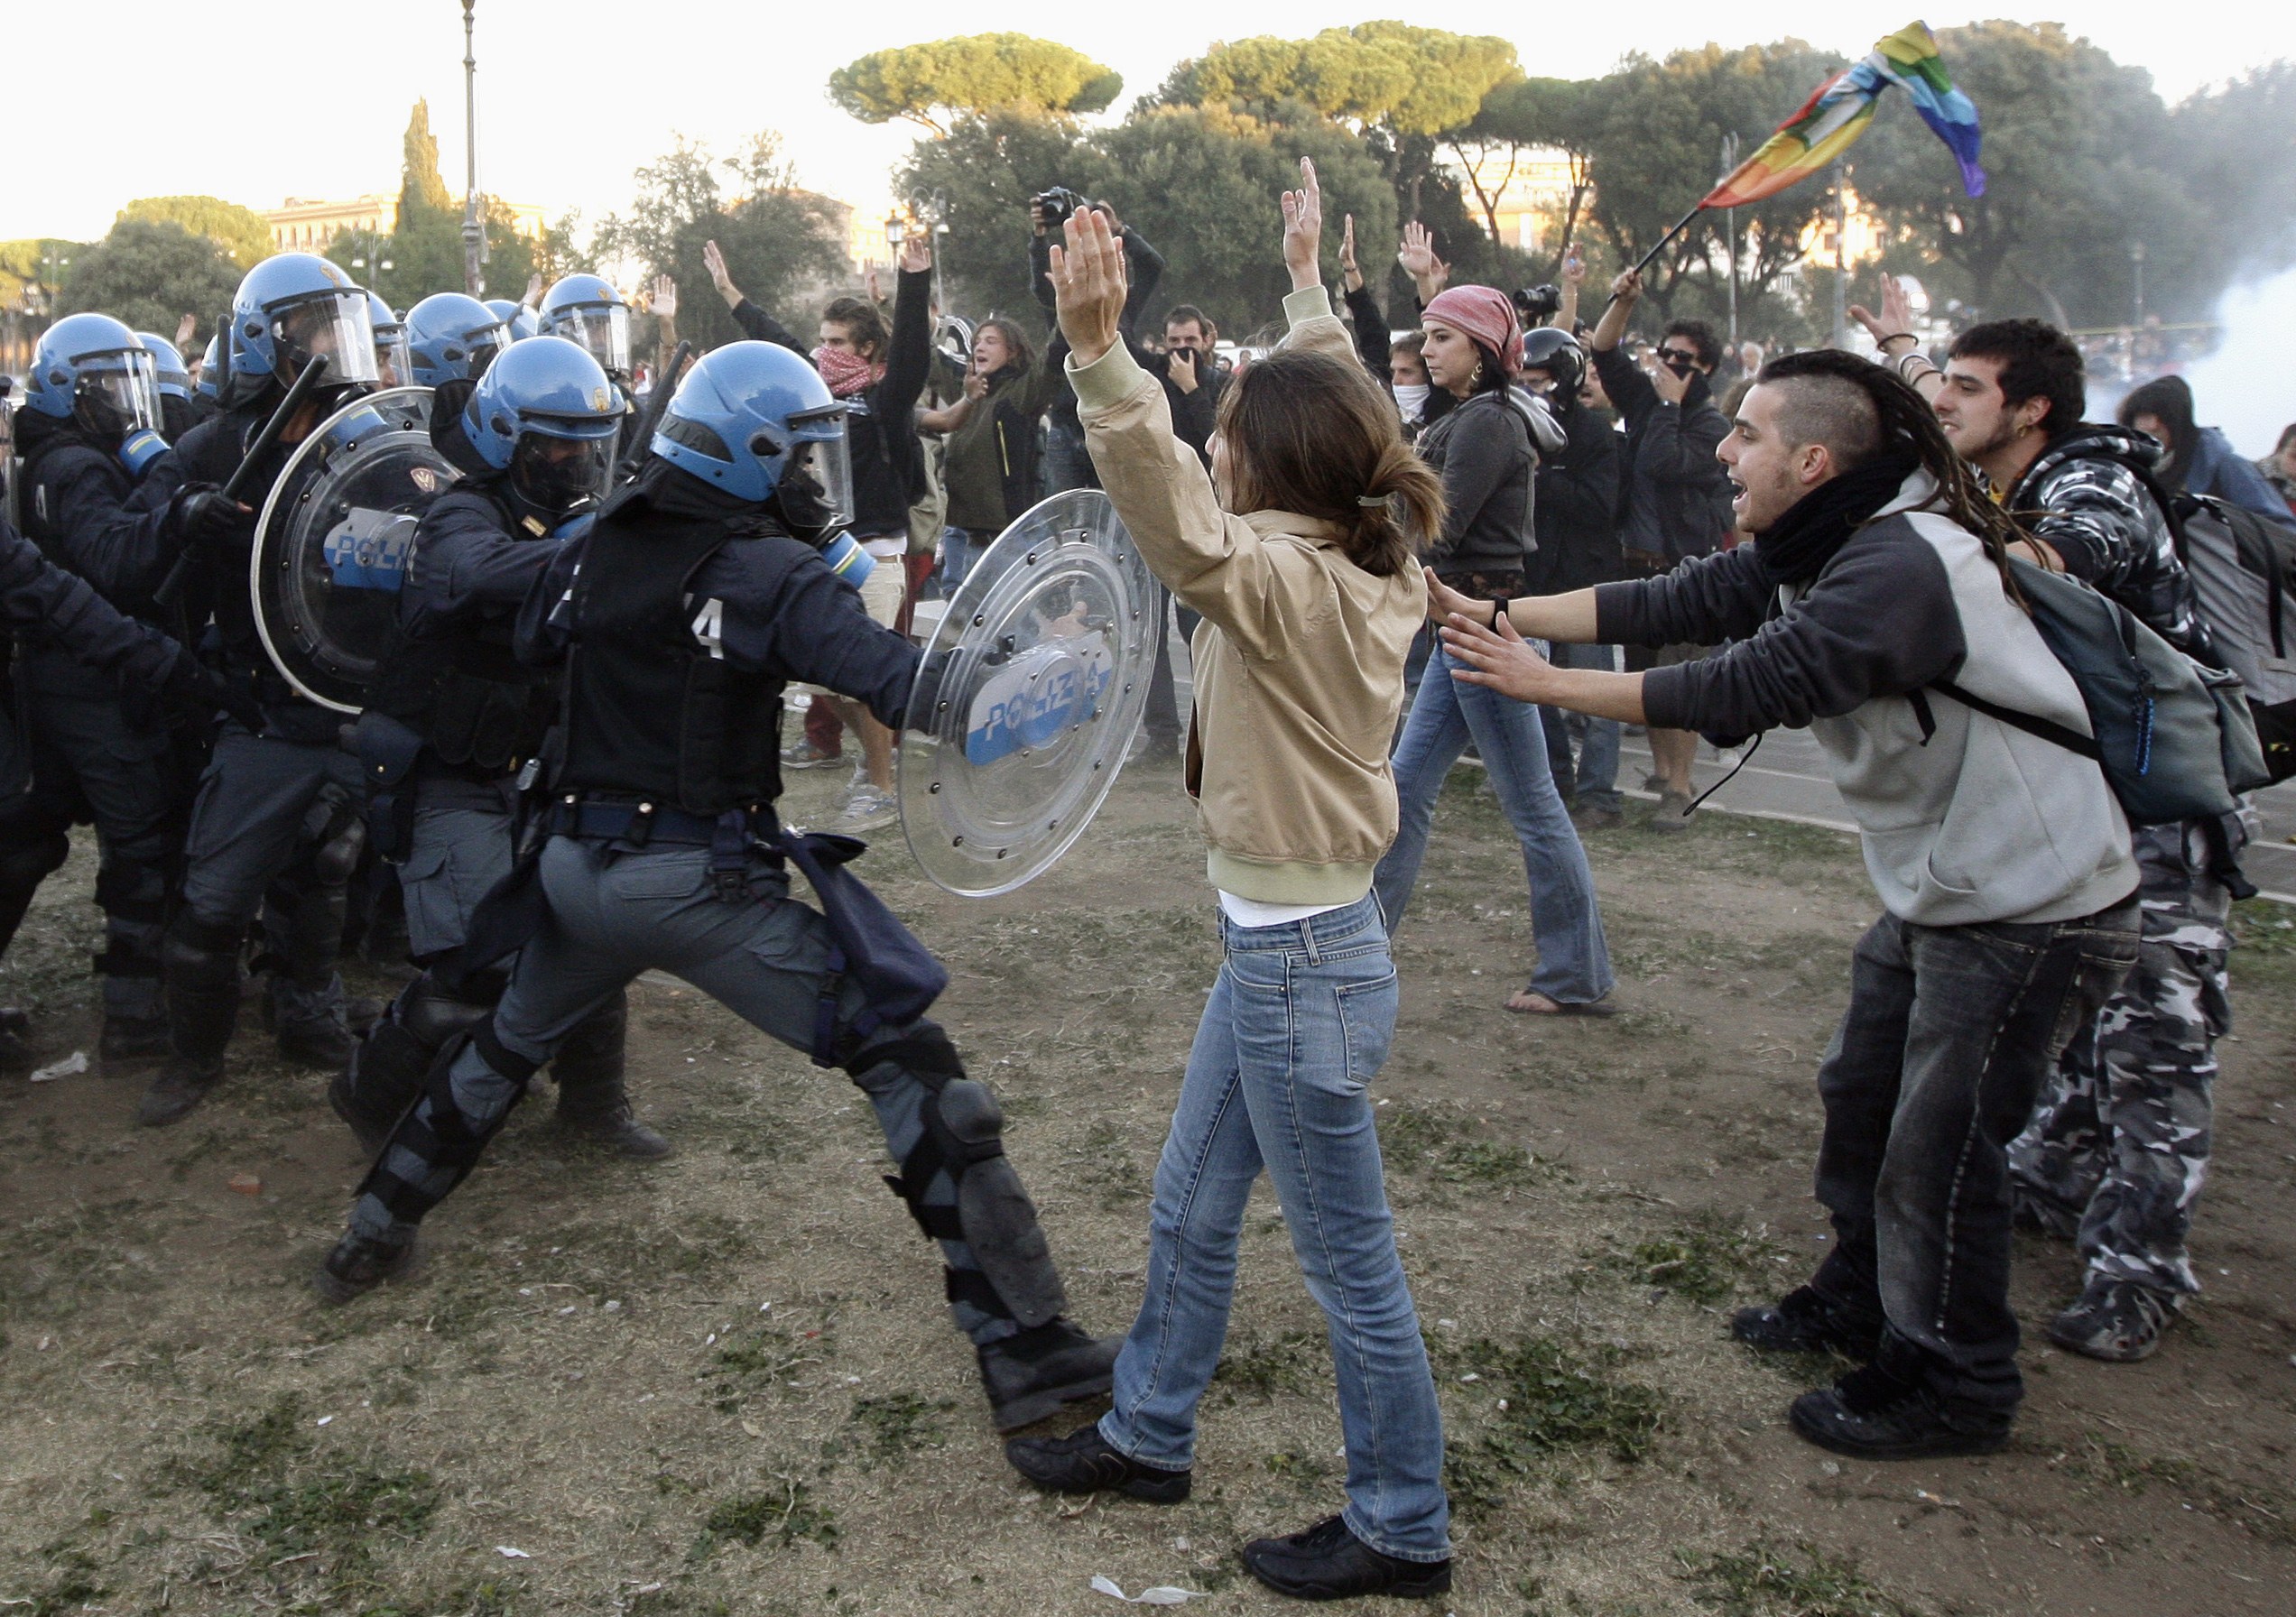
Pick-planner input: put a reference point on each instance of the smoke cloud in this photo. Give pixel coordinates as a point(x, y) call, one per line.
point(2247, 386)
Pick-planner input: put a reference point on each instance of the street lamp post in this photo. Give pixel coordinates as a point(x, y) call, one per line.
point(2136, 264)
point(474, 234)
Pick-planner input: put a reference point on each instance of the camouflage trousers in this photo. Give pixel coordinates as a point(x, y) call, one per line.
point(2117, 1148)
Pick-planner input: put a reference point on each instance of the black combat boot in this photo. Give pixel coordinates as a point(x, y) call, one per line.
point(591, 1099)
point(1031, 1373)
point(357, 1265)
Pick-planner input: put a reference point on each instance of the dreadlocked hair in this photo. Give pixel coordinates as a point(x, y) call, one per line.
point(1905, 424)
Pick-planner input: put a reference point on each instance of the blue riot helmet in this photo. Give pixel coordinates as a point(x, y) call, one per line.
point(167, 362)
point(756, 421)
point(586, 310)
point(90, 368)
point(546, 415)
point(516, 317)
point(208, 361)
point(294, 306)
point(452, 338)
point(390, 357)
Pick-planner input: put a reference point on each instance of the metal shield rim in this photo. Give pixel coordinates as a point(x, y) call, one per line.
point(257, 553)
point(1089, 508)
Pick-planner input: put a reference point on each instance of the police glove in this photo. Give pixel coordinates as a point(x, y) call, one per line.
point(207, 517)
point(194, 693)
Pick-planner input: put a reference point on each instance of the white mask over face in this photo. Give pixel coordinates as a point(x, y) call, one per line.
point(1411, 398)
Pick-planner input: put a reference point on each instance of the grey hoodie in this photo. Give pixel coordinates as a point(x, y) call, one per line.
point(1976, 822)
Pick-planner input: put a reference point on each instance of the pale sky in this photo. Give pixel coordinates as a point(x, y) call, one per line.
point(268, 99)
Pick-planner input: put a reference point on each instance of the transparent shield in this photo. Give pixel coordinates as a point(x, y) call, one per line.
point(335, 538)
point(1042, 663)
point(128, 383)
point(338, 325)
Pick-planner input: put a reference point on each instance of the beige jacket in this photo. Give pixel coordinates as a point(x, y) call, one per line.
point(1299, 657)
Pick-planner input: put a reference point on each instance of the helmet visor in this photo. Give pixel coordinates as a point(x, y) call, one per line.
point(120, 390)
point(394, 360)
point(816, 484)
point(335, 324)
point(557, 473)
point(602, 328)
point(483, 346)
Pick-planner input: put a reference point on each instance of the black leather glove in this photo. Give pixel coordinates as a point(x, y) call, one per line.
point(195, 693)
point(206, 517)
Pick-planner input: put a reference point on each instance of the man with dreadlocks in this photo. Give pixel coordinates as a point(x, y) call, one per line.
point(1879, 570)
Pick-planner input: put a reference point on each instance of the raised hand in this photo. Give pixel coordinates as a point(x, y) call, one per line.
point(1894, 323)
point(186, 329)
point(1303, 229)
point(916, 250)
point(534, 297)
point(1350, 276)
point(1430, 274)
point(1088, 281)
point(664, 303)
point(714, 261)
point(869, 284)
point(1574, 265)
point(1627, 288)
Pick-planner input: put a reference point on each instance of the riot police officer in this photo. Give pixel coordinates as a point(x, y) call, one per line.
point(452, 338)
point(207, 393)
point(517, 319)
point(88, 428)
point(41, 602)
point(585, 309)
point(175, 379)
point(393, 366)
point(275, 826)
point(695, 597)
point(452, 716)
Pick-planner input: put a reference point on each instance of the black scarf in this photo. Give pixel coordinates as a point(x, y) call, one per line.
point(1797, 547)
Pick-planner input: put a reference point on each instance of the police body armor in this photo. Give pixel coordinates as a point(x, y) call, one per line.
point(638, 660)
point(464, 691)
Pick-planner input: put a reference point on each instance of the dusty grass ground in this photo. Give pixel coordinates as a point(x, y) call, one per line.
point(725, 1384)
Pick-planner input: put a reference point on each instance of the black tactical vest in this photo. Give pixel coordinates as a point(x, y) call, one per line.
point(464, 691)
point(648, 712)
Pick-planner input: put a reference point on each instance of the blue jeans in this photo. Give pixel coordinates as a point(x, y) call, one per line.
point(1574, 961)
point(1299, 1022)
point(1593, 778)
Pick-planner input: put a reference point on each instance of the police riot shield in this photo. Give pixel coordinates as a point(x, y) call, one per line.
point(1030, 695)
point(334, 539)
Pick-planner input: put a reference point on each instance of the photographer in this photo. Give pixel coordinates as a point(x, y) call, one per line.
point(1066, 465)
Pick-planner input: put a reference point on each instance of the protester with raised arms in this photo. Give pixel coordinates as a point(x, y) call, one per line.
point(1879, 569)
point(1296, 549)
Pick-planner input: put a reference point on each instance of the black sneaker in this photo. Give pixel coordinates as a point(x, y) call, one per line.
point(128, 1039)
point(2118, 1321)
point(1328, 1562)
point(1083, 1463)
point(1872, 1415)
point(1031, 1373)
point(177, 1092)
point(1805, 1322)
point(357, 1265)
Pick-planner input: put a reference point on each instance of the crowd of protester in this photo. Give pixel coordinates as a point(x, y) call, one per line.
point(1480, 525)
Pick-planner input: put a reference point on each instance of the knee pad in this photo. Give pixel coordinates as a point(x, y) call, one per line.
point(444, 1141)
point(432, 1016)
point(200, 953)
point(924, 1051)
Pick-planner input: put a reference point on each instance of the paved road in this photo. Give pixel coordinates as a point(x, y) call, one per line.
point(1787, 779)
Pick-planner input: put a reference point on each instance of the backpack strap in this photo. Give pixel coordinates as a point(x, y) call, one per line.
point(2072, 741)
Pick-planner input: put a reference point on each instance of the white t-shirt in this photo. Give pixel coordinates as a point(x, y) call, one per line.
point(1251, 913)
point(892, 547)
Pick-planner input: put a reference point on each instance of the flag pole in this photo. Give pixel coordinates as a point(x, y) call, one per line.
point(1680, 225)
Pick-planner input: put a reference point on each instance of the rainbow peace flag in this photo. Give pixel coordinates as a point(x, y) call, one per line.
point(1839, 109)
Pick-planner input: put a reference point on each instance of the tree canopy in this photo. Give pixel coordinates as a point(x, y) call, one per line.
point(150, 272)
point(239, 231)
point(975, 75)
point(1395, 76)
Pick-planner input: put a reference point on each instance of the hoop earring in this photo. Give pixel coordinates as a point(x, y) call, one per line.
point(1476, 379)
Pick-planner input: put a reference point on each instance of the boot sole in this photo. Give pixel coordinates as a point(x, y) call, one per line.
point(335, 1292)
point(1148, 1489)
point(1037, 1406)
point(2108, 1355)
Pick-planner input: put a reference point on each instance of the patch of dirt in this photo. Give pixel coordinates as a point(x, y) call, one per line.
point(727, 1384)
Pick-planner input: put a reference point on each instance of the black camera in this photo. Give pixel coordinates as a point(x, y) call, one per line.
point(1538, 304)
point(1057, 205)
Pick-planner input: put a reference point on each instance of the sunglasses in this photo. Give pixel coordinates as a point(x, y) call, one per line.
point(1679, 360)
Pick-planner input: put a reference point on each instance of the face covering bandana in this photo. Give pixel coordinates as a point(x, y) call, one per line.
point(846, 372)
point(1411, 399)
